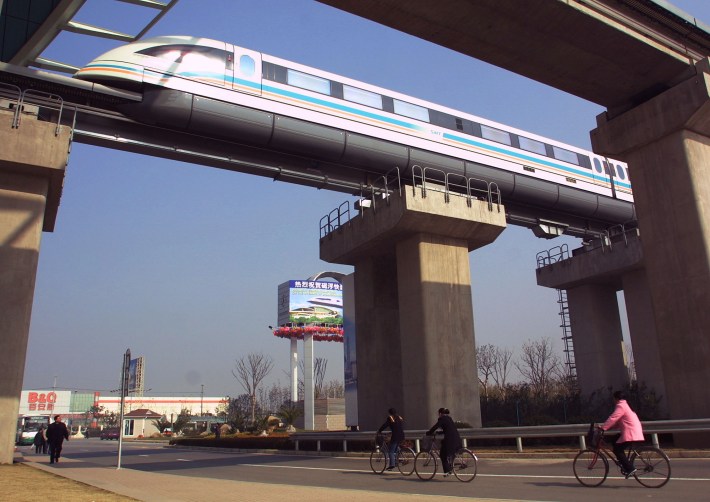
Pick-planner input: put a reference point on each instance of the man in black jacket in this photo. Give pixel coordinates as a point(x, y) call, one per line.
point(452, 440)
point(56, 434)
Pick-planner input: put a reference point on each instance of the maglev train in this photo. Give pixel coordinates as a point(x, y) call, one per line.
point(221, 90)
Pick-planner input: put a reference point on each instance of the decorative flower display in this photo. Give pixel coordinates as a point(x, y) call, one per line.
point(320, 333)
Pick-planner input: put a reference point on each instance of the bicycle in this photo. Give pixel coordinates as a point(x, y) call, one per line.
point(464, 466)
point(591, 466)
point(380, 454)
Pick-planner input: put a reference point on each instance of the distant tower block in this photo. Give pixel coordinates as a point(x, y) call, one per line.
point(414, 316)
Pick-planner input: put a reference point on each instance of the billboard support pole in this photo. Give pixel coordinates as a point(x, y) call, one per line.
point(309, 391)
point(294, 369)
point(125, 371)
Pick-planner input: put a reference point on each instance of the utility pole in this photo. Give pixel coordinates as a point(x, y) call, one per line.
point(125, 376)
point(202, 397)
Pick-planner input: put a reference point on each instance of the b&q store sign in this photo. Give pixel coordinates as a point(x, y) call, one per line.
point(40, 402)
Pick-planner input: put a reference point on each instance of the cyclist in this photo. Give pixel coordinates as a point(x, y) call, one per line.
point(396, 425)
point(452, 441)
point(631, 431)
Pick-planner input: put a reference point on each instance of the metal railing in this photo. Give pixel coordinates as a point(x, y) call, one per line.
point(423, 179)
point(552, 255)
point(429, 178)
point(384, 186)
point(652, 429)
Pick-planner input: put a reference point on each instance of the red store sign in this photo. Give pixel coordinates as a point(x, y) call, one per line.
point(41, 401)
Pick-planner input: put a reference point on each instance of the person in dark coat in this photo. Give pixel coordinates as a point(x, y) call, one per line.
point(452, 441)
point(396, 425)
point(40, 441)
point(57, 432)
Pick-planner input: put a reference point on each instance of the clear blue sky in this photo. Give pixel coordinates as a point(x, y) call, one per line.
point(181, 263)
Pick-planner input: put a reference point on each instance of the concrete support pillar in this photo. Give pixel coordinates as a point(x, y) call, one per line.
point(414, 315)
point(597, 338)
point(642, 331)
point(32, 162)
point(379, 364)
point(22, 200)
point(592, 277)
point(666, 144)
point(437, 341)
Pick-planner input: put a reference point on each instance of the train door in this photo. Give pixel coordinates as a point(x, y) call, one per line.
point(600, 172)
point(246, 70)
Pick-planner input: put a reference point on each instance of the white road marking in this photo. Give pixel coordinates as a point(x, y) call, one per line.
point(530, 476)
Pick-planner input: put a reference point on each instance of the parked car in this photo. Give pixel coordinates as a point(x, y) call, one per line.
point(109, 434)
point(167, 432)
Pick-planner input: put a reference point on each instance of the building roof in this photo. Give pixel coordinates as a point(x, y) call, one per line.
point(142, 413)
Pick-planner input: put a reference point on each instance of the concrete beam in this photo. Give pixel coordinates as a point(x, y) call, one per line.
point(36, 148)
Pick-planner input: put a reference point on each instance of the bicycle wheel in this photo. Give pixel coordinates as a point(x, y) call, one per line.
point(378, 461)
point(465, 465)
point(425, 465)
point(405, 461)
point(590, 467)
point(653, 469)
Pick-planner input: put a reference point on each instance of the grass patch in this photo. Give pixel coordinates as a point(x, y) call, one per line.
point(21, 483)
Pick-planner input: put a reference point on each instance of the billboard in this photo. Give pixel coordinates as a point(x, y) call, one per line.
point(45, 402)
point(310, 302)
point(135, 375)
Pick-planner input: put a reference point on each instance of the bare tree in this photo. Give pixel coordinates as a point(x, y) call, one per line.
point(334, 388)
point(539, 365)
point(501, 367)
point(319, 366)
point(485, 360)
point(250, 373)
point(629, 360)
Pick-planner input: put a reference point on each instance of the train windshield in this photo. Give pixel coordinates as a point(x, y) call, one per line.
point(194, 55)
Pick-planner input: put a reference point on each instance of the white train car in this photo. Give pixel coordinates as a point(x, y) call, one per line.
point(220, 90)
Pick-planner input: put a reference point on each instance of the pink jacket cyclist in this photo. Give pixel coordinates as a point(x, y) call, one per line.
point(630, 426)
point(628, 422)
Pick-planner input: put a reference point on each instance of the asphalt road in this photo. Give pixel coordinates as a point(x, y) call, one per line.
point(511, 479)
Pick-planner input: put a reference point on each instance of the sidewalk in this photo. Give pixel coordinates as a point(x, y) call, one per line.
point(154, 487)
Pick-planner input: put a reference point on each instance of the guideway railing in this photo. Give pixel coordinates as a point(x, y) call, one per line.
point(651, 429)
point(424, 179)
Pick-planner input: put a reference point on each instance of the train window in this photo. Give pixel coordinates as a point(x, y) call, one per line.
point(584, 161)
point(188, 54)
point(565, 155)
point(306, 81)
point(271, 71)
point(532, 145)
point(445, 120)
point(495, 135)
point(410, 110)
point(366, 98)
point(247, 65)
point(598, 166)
point(620, 172)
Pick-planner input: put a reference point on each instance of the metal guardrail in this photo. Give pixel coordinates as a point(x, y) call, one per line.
point(652, 429)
